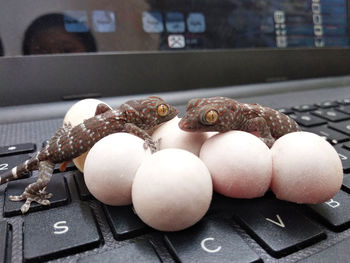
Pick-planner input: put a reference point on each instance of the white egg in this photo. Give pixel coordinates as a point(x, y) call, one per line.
point(172, 190)
point(171, 136)
point(240, 164)
point(306, 168)
point(79, 112)
point(111, 165)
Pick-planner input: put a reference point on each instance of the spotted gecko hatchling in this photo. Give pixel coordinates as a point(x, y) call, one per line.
point(135, 117)
point(224, 114)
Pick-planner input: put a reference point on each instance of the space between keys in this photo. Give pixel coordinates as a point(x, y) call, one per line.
point(277, 226)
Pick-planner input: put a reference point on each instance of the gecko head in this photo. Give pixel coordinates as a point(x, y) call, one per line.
point(148, 113)
point(209, 114)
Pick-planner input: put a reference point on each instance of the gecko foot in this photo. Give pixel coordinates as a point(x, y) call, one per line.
point(41, 198)
point(152, 145)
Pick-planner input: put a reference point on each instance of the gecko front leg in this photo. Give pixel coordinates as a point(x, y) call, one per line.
point(37, 191)
point(259, 125)
point(149, 143)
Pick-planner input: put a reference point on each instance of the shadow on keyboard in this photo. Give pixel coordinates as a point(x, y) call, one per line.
point(78, 228)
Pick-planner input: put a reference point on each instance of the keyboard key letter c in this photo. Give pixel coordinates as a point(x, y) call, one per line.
point(60, 227)
point(207, 249)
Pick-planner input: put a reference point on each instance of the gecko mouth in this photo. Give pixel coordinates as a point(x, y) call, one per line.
point(184, 125)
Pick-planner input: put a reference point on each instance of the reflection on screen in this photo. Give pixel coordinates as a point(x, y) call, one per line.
point(1, 49)
point(150, 25)
point(57, 33)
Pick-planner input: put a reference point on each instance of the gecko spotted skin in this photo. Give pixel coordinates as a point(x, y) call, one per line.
point(135, 117)
point(224, 114)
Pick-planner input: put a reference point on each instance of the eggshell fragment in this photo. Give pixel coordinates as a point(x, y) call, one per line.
point(306, 168)
point(239, 162)
point(172, 190)
point(171, 136)
point(79, 112)
point(111, 165)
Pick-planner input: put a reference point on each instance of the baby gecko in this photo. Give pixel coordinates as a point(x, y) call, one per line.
point(224, 114)
point(135, 117)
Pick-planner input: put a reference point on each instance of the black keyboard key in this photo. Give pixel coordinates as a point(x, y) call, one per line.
point(8, 162)
point(285, 110)
point(57, 187)
point(84, 192)
point(344, 101)
point(344, 157)
point(4, 246)
point(346, 183)
point(140, 251)
point(17, 148)
point(346, 145)
point(307, 120)
point(335, 212)
point(336, 253)
point(331, 115)
point(344, 108)
point(330, 135)
point(278, 227)
point(304, 108)
point(209, 241)
point(327, 104)
point(124, 222)
point(49, 234)
point(343, 126)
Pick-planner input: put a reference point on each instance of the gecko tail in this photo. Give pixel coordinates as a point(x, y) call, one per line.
point(19, 171)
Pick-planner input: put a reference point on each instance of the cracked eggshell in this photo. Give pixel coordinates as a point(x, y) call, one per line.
point(239, 162)
point(80, 111)
point(171, 136)
point(306, 168)
point(172, 190)
point(111, 165)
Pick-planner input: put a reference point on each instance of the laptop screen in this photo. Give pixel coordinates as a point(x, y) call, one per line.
point(51, 27)
point(61, 49)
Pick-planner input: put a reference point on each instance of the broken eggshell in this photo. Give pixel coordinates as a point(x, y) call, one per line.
point(80, 111)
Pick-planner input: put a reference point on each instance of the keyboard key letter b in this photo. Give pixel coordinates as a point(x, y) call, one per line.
point(332, 203)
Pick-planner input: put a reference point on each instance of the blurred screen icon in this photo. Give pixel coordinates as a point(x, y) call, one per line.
point(75, 21)
point(196, 22)
point(152, 22)
point(176, 41)
point(175, 22)
point(103, 21)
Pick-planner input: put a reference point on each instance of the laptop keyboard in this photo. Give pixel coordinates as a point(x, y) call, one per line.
point(78, 228)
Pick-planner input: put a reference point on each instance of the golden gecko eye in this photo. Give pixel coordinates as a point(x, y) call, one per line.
point(163, 110)
point(211, 116)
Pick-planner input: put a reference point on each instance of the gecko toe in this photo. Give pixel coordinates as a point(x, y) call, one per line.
point(25, 207)
point(16, 198)
point(40, 198)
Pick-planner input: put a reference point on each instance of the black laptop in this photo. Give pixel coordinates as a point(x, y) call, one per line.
point(289, 55)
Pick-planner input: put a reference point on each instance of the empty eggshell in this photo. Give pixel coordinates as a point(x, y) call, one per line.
point(171, 136)
point(239, 162)
point(172, 190)
point(80, 111)
point(111, 165)
point(306, 168)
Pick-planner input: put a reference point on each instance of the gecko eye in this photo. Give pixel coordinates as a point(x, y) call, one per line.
point(163, 110)
point(211, 116)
